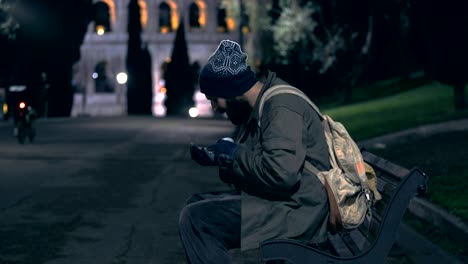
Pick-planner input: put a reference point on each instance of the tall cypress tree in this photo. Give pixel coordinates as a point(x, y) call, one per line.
point(179, 77)
point(139, 84)
point(133, 47)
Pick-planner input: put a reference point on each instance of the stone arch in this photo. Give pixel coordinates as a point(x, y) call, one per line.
point(168, 16)
point(111, 7)
point(165, 18)
point(101, 18)
point(197, 14)
point(225, 22)
point(194, 15)
point(103, 77)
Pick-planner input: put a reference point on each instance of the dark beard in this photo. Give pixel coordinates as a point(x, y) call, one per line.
point(238, 111)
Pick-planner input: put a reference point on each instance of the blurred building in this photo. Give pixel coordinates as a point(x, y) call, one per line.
point(103, 53)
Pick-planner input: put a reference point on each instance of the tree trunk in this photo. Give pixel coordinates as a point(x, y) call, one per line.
point(361, 62)
point(348, 93)
point(459, 96)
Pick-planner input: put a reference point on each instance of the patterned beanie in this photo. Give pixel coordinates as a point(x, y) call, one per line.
point(226, 74)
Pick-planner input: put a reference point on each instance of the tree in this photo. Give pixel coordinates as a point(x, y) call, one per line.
point(441, 41)
point(8, 23)
point(179, 77)
point(64, 48)
point(319, 45)
point(139, 84)
point(8, 28)
point(47, 39)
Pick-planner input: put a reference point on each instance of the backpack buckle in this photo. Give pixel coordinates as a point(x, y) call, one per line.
point(368, 195)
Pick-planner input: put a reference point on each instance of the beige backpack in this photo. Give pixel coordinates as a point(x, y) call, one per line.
point(351, 183)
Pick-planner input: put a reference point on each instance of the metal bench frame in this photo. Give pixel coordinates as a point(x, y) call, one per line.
point(348, 247)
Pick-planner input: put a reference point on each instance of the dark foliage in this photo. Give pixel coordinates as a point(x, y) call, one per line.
point(440, 42)
point(352, 24)
point(48, 41)
point(407, 36)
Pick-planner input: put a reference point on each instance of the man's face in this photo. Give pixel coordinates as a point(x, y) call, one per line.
point(238, 111)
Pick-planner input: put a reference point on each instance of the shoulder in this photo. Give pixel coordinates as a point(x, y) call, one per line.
point(284, 100)
point(292, 103)
point(286, 109)
point(289, 101)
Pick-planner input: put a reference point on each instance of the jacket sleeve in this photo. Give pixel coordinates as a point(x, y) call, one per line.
point(275, 169)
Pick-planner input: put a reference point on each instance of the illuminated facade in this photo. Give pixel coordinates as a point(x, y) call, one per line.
point(104, 48)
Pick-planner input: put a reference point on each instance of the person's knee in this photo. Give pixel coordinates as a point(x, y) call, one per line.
point(183, 216)
point(193, 199)
point(187, 216)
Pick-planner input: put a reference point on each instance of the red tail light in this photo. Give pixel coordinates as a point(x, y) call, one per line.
point(22, 105)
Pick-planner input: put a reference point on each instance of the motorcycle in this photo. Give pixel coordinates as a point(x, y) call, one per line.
point(25, 123)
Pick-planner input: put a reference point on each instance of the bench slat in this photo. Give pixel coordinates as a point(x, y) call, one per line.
point(390, 168)
point(383, 178)
point(339, 247)
point(350, 243)
point(370, 231)
point(380, 207)
point(360, 239)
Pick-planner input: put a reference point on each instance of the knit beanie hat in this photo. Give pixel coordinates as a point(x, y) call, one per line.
point(226, 73)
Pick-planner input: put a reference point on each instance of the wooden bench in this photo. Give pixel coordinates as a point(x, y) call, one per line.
point(368, 243)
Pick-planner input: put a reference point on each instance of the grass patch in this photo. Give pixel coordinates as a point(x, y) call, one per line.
point(429, 103)
point(387, 87)
point(449, 191)
point(437, 236)
point(378, 89)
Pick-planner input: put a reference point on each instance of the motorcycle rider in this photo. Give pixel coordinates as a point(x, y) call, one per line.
point(18, 95)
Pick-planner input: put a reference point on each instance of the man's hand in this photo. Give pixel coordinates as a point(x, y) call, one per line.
point(224, 151)
point(202, 156)
point(221, 153)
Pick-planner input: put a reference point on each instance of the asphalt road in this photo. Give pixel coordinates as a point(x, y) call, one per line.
point(100, 190)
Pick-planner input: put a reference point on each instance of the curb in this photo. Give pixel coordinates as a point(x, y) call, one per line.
point(422, 208)
point(441, 218)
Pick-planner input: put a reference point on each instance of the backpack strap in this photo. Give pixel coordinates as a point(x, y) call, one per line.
point(282, 89)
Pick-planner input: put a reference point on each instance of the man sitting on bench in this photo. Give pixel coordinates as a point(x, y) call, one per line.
point(274, 196)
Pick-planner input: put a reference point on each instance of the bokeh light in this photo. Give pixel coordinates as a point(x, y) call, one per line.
point(122, 78)
point(193, 112)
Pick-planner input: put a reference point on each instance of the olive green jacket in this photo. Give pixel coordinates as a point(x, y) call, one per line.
point(281, 199)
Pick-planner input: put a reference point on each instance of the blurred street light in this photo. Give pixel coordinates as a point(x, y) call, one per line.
point(122, 78)
point(193, 112)
point(100, 30)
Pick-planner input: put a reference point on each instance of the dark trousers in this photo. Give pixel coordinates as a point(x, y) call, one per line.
point(209, 226)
